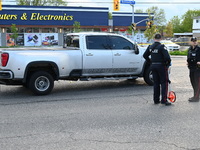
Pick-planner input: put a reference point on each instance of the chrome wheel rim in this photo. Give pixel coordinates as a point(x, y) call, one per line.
point(42, 83)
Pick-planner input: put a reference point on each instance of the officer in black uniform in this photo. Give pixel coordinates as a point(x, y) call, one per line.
point(160, 61)
point(193, 59)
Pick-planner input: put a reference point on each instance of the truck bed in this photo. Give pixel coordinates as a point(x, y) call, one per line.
point(38, 48)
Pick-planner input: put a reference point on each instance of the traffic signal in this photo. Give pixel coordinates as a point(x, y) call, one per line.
point(116, 5)
point(133, 25)
point(149, 24)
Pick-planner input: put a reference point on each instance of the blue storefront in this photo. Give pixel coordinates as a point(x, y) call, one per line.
point(54, 21)
point(123, 19)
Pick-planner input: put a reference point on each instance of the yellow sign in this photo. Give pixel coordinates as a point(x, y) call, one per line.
point(36, 16)
point(116, 5)
point(0, 4)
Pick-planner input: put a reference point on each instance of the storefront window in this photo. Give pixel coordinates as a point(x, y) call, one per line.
point(8, 30)
point(28, 30)
point(21, 30)
point(67, 30)
point(96, 30)
point(48, 30)
point(36, 30)
point(87, 30)
point(32, 30)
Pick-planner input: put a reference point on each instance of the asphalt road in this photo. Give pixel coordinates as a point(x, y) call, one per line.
point(100, 115)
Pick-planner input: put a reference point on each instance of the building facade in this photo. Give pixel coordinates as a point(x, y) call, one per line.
point(196, 27)
point(45, 25)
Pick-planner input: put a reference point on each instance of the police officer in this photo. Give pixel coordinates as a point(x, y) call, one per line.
point(160, 61)
point(193, 59)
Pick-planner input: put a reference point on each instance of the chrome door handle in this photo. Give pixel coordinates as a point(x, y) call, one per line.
point(89, 54)
point(117, 54)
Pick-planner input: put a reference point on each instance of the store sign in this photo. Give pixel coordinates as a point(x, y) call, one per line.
point(35, 16)
point(53, 16)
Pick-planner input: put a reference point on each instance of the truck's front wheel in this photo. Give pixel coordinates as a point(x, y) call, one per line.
point(148, 76)
point(41, 83)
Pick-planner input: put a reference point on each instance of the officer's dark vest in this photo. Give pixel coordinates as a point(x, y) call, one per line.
point(192, 57)
point(156, 54)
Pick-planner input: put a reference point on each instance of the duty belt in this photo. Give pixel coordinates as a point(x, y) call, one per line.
point(157, 63)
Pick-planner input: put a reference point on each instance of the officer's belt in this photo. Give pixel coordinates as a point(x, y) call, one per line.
point(157, 63)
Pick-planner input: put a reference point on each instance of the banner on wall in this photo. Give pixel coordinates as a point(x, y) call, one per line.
point(20, 40)
point(9, 41)
point(49, 39)
point(32, 39)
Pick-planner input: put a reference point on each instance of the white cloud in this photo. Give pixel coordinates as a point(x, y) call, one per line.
point(171, 10)
point(85, 3)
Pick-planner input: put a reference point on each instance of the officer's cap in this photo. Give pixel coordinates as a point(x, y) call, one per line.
point(158, 36)
point(193, 39)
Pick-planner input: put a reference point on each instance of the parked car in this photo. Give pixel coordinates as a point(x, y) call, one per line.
point(170, 45)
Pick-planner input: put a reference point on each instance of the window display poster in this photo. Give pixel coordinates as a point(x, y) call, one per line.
point(20, 40)
point(32, 39)
point(49, 39)
point(9, 41)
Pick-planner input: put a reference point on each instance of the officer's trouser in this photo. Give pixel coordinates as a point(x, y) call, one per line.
point(161, 79)
point(195, 81)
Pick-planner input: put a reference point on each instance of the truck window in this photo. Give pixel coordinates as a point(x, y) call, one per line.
point(72, 41)
point(97, 42)
point(121, 43)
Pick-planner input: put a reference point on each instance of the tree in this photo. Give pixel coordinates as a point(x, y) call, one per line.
point(77, 26)
point(42, 2)
point(184, 24)
point(130, 30)
point(169, 30)
point(110, 15)
point(159, 15)
point(138, 11)
point(14, 34)
point(188, 20)
point(176, 23)
point(150, 31)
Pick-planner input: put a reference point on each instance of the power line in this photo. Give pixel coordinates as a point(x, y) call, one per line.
point(139, 2)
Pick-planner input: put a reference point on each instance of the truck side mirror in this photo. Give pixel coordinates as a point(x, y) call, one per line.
point(136, 49)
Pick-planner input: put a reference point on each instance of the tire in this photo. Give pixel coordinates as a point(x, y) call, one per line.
point(41, 83)
point(148, 76)
point(25, 85)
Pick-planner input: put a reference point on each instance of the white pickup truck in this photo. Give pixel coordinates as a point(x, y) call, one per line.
point(84, 56)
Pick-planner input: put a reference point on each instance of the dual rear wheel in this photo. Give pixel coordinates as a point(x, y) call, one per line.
point(41, 83)
point(148, 76)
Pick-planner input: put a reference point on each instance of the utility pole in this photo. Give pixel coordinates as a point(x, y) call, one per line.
point(131, 2)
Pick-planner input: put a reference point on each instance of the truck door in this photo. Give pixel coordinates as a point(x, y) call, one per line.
point(125, 61)
point(97, 57)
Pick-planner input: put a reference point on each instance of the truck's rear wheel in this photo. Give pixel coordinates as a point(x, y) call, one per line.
point(41, 83)
point(148, 76)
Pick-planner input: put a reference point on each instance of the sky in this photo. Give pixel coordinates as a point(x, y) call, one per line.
point(171, 8)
